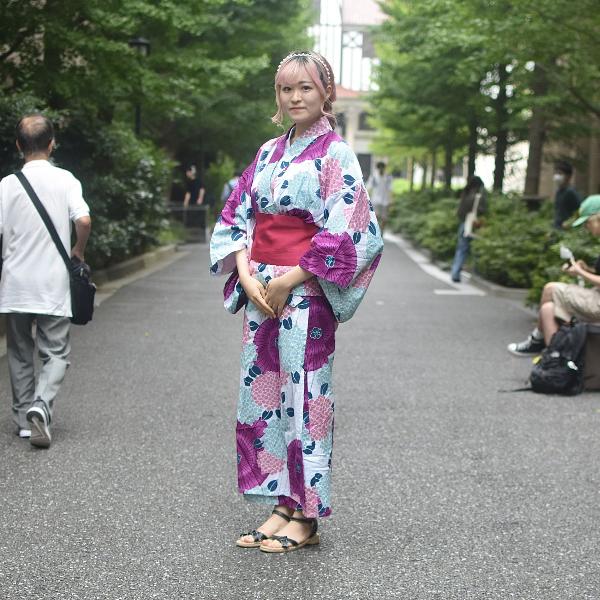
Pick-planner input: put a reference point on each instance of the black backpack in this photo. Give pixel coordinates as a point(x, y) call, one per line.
point(560, 368)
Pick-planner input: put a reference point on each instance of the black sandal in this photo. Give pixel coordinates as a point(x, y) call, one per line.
point(259, 536)
point(288, 544)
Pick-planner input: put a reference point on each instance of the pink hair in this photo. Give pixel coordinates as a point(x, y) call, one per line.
point(320, 72)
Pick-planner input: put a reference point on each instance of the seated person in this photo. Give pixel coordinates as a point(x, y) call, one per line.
point(560, 302)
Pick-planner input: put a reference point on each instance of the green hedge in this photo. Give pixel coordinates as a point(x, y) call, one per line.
point(124, 178)
point(516, 247)
point(124, 181)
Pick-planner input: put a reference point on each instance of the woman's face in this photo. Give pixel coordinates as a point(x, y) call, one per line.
point(300, 99)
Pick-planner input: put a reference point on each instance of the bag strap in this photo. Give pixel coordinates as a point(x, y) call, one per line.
point(476, 203)
point(46, 218)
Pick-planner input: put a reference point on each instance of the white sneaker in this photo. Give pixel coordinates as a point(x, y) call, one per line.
point(39, 419)
point(24, 433)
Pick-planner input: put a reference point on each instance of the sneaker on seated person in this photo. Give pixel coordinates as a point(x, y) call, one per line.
point(532, 345)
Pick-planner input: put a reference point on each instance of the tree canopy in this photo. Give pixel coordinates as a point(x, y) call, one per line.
point(205, 89)
point(481, 74)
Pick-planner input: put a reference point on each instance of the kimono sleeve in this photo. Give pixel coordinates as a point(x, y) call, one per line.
point(231, 230)
point(350, 240)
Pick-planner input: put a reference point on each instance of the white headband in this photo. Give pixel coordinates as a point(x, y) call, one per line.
point(307, 55)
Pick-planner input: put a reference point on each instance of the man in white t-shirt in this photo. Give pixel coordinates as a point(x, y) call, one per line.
point(34, 285)
point(379, 186)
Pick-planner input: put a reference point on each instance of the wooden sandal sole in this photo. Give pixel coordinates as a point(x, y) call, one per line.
point(240, 544)
point(311, 541)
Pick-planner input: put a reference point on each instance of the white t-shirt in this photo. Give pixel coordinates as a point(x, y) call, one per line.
point(380, 187)
point(34, 277)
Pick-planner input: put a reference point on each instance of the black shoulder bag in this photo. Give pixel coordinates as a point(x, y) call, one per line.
point(83, 290)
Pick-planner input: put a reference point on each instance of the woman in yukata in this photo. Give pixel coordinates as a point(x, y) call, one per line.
point(301, 241)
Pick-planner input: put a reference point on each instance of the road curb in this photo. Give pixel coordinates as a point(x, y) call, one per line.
point(493, 289)
point(132, 265)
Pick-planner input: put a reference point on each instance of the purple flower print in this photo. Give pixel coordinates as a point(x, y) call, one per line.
point(296, 470)
point(357, 214)
point(321, 417)
point(266, 339)
point(249, 473)
point(268, 463)
point(375, 262)
point(230, 284)
point(320, 146)
point(305, 215)
point(311, 504)
point(320, 341)
point(364, 279)
point(332, 256)
point(330, 179)
point(266, 390)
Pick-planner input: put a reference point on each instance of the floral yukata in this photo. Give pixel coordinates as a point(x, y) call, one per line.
point(285, 410)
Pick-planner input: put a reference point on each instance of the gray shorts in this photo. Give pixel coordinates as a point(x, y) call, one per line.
point(570, 301)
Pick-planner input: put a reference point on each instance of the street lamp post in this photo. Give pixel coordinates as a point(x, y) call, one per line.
point(142, 47)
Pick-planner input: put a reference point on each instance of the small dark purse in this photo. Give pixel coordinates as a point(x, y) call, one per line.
point(83, 290)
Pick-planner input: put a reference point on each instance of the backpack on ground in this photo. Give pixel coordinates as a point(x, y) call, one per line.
point(560, 368)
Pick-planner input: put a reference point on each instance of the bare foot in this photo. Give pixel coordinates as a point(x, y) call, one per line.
point(271, 526)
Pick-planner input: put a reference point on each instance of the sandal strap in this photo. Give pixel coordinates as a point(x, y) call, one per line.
point(281, 514)
point(284, 540)
point(258, 536)
point(303, 519)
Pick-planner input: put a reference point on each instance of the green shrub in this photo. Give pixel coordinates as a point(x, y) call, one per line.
point(124, 181)
point(438, 229)
point(428, 218)
point(515, 247)
point(508, 247)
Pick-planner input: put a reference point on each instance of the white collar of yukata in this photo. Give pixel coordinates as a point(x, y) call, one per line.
point(318, 128)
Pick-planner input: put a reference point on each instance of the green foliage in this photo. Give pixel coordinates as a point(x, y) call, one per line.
point(508, 248)
point(515, 247)
point(174, 234)
point(428, 218)
point(124, 181)
point(217, 175)
point(205, 90)
point(448, 66)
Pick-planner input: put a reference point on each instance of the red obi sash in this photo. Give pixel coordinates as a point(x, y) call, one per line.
point(281, 239)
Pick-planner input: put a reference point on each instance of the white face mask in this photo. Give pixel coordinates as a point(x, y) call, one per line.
point(558, 178)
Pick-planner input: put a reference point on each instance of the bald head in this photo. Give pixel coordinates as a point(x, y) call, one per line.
point(34, 134)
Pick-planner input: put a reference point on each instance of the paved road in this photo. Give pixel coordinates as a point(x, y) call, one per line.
point(444, 486)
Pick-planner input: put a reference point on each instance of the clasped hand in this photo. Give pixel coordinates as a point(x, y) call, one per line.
point(270, 300)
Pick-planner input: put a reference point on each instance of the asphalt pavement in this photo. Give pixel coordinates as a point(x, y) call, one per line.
point(446, 484)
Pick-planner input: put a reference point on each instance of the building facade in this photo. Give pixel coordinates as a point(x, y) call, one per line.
point(342, 33)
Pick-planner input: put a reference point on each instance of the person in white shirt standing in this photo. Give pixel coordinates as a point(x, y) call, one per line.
point(380, 189)
point(34, 285)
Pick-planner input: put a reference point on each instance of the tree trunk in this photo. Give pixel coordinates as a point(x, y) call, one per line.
point(424, 165)
point(433, 168)
point(501, 128)
point(411, 173)
point(472, 147)
point(537, 135)
point(448, 165)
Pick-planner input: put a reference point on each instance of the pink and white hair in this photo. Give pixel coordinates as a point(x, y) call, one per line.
point(321, 74)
